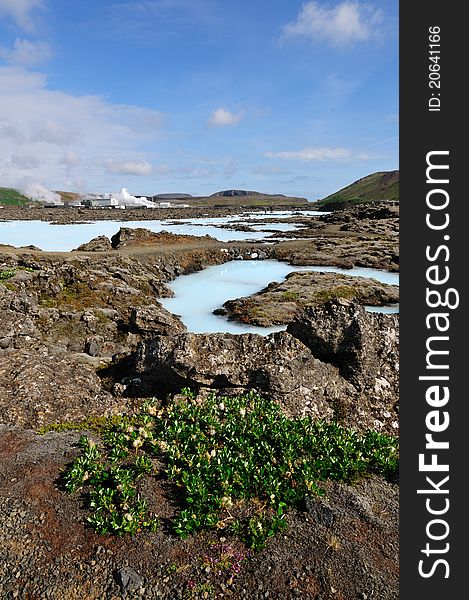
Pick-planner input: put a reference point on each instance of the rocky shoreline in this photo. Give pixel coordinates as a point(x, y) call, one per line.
point(280, 303)
point(82, 334)
point(67, 216)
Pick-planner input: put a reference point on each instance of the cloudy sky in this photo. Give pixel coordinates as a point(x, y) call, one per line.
point(196, 96)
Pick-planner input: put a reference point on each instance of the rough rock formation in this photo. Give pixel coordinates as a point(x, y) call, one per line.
point(277, 365)
point(336, 360)
point(154, 319)
point(97, 244)
point(51, 385)
point(127, 236)
point(279, 303)
point(364, 347)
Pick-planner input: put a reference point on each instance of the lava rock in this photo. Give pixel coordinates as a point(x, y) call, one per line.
point(129, 580)
point(277, 365)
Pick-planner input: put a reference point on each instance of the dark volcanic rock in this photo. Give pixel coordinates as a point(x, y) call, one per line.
point(49, 386)
point(278, 365)
point(371, 210)
point(363, 346)
point(97, 244)
point(129, 580)
point(127, 236)
point(279, 303)
point(154, 319)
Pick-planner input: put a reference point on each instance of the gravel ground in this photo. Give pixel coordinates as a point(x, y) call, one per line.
point(342, 548)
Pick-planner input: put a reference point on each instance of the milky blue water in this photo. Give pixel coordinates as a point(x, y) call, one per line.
point(196, 295)
point(199, 294)
point(63, 238)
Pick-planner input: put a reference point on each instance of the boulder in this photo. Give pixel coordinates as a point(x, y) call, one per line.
point(277, 365)
point(154, 319)
point(97, 244)
point(127, 236)
point(51, 385)
point(363, 346)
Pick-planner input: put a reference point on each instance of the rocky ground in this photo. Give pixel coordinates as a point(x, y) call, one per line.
point(83, 215)
point(343, 547)
point(83, 334)
point(280, 303)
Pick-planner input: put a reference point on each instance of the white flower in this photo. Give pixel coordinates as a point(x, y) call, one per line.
point(242, 412)
point(128, 517)
point(137, 443)
point(221, 406)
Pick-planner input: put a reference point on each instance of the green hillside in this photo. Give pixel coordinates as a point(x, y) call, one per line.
point(11, 197)
point(383, 185)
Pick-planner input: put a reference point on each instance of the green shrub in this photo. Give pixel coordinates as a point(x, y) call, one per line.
point(289, 296)
point(4, 275)
point(238, 461)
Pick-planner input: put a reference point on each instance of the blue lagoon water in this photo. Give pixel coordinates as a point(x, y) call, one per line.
point(199, 294)
point(63, 238)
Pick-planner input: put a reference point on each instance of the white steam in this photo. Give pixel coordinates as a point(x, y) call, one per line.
point(37, 191)
point(123, 197)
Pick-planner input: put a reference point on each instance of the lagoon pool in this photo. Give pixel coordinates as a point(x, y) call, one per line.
point(63, 238)
point(197, 295)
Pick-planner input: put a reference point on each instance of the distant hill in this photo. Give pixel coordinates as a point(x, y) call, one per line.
point(170, 196)
point(246, 198)
point(383, 185)
point(242, 193)
point(11, 197)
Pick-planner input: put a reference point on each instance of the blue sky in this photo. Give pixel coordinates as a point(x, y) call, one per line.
point(196, 96)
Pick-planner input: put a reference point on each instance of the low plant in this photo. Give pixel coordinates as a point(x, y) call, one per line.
point(4, 275)
point(289, 296)
point(112, 486)
point(239, 462)
point(98, 425)
point(347, 292)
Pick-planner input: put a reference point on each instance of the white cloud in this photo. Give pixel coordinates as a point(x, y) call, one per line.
point(24, 161)
point(197, 173)
point(61, 131)
point(128, 167)
point(21, 11)
point(323, 154)
point(346, 23)
point(70, 159)
point(26, 53)
point(221, 117)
